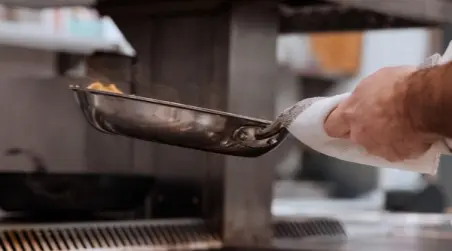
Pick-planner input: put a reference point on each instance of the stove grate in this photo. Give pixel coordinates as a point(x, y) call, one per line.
point(151, 235)
point(308, 227)
point(108, 236)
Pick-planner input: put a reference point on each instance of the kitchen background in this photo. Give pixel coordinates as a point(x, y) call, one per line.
point(310, 65)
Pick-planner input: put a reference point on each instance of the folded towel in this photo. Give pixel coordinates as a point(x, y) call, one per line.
point(308, 128)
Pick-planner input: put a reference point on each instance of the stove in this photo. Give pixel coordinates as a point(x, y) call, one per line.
point(182, 234)
point(312, 233)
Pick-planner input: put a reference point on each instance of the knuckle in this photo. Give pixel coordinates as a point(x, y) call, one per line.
point(348, 113)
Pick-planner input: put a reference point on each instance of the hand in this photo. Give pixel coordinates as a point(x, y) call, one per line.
point(375, 118)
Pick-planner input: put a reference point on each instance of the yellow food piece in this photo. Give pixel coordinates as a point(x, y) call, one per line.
point(106, 88)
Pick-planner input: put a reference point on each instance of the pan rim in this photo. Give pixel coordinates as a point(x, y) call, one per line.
point(132, 97)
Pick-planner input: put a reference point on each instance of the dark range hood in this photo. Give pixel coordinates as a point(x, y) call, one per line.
point(346, 15)
point(296, 16)
point(315, 15)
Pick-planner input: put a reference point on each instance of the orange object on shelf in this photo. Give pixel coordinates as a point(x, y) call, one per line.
point(337, 52)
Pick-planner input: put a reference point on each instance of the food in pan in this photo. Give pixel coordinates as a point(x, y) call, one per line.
point(104, 87)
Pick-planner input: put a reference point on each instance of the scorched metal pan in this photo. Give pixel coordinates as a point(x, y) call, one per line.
point(177, 124)
point(40, 191)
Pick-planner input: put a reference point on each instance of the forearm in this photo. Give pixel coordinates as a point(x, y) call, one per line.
point(427, 99)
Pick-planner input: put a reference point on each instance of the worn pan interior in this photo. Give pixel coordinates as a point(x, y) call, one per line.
point(174, 124)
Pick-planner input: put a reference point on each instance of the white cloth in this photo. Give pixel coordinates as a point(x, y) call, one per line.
point(308, 128)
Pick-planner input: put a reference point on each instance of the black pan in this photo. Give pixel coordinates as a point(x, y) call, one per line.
point(41, 191)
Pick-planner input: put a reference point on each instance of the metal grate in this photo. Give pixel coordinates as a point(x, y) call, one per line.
point(151, 235)
point(148, 235)
point(308, 227)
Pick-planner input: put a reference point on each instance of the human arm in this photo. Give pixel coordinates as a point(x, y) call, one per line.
point(427, 97)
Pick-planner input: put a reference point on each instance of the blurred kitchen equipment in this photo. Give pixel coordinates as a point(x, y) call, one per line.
point(42, 191)
point(77, 30)
point(337, 53)
point(47, 3)
point(430, 199)
point(329, 55)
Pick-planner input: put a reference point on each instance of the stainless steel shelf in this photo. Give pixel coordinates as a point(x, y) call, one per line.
point(47, 3)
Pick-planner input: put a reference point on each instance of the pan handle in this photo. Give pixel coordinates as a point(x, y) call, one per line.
point(282, 121)
point(248, 133)
point(252, 133)
point(272, 130)
point(261, 137)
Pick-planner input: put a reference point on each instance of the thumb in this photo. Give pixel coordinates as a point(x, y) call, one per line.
point(336, 126)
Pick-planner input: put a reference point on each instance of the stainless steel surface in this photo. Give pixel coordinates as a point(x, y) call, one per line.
point(381, 231)
point(175, 124)
point(380, 218)
point(247, 183)
point(369, 243)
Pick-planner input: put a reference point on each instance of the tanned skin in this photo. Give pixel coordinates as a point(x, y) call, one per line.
point(396, 113)
point(428, 100)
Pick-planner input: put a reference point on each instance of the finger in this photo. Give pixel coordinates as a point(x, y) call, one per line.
point(336, 125)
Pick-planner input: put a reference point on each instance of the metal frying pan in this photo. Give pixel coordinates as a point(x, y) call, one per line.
point(179, 125)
